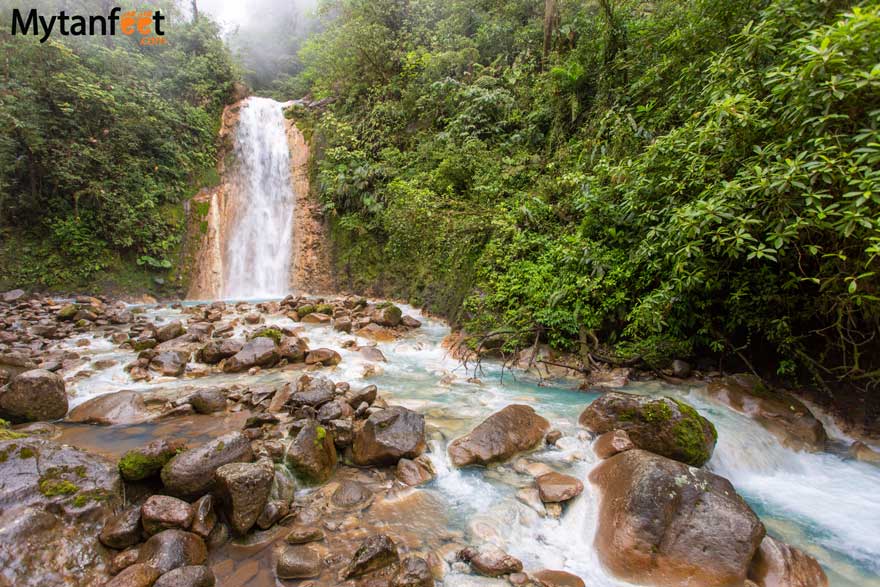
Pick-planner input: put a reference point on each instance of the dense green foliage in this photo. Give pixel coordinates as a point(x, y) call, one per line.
point(100, 139)
point(672, 177)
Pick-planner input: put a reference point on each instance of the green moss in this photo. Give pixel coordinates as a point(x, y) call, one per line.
point(86, 497)
point(324, 309)
point(202, 208)
point(305, 310)
point(273, 333)
point(51, 487)
point(6, 434)
point(134, 465)
point(26, 453)
point(656, 411)
point(320, 435)
point(689, 436)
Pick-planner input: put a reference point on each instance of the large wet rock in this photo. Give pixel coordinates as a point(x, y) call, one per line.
point(351, 495)
point(190, 576)
point(173, 549)
point(413, 572)
point(163, 512)
point(664, 426)
point(171, 363)
point(136, 575)
point(777, 411)
point(293, 349)
point(376, 552)
point(53, 502)
point(122, 529)
point(191, 473)
point(388, 436)
point(312, 391)
point(258, 352)
point(217, 350)
point(169, 331)
point(387, 315)
point(244, 490)
point(555, 487)
point(147, 461)
point(500, 436)
point(312, 454)
point(666, 524)
point(491, 561)
point(779, 565)
point(121, 407)
point(34, 396)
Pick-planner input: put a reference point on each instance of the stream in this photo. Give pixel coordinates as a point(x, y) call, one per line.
point(822, 503)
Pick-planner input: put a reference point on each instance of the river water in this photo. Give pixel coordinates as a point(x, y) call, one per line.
point(822, 503)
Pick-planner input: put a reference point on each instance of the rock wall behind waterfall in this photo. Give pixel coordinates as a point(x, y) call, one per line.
point(211, 214)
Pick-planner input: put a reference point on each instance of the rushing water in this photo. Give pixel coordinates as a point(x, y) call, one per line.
point(258, 249)
point(822, 503)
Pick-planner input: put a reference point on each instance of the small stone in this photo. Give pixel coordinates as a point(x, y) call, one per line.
point(556, 487)
point(376, 552)
point(298, 562)
point(136, 575)
point(304, 534)
point(413, 572)
point(123, 529)
point(204, 517)
point(611, 443)
point(189, 576)
point(162, 512)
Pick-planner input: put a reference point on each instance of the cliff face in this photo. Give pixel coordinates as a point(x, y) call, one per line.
point(311, 263)
point(213, 211)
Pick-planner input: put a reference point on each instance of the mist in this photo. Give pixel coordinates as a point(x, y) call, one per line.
point(265, 36)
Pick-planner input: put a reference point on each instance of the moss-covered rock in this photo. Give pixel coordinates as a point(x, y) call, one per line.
point(147, 461)
point(663, 425)
point(272, 333)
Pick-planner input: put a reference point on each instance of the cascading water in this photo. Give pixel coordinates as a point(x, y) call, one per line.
point(258, 248)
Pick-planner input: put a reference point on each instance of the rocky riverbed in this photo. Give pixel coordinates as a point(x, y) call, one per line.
point(333, 441)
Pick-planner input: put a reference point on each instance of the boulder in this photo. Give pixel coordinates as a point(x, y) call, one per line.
point(313, 392)
point(387, 315)
point(862, 452)
point(136, 575)
point(191, 473)
point(304, 534)
point(550, 578)
point(208, 401)
point(312, 454)
point(122, 529)
point(376, 552)
point(388, 436)
point(556, 487)
point(664, 426)
point(121, 407)
point(782, 414)
point(325, 357)
point(490, 561)
point(514, 429)
point(664, 523)
point(170, 363)
point(611, 443)
point(257, 352)
point(298, 561)
point(168, 331)
point(316, 318)
point(413, 572)
point(779, 565)
point(217, 350)
point(190, 576)
point(244, 490)
point(293, 349)
point(365, 395)
point(351, 495)
point(147, 461)
point(34, 396)
point(13, 295)
point(172, 549)
point(414, 472)
point(338, 409)
point(53, 501)
point(163, 512)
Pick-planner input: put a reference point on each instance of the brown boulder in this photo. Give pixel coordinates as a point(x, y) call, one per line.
point(172, 549)
point(163, 512)
point(257, 352)
point(298, 561)
point(556, 487)
point(217, 350)
point(503, 434)
point(663, 425)
point(325, 357)
point(136, 575)
point(312, 454)
point(171, 363)
point(191, 473)
point(490, 561)
point(121, 407)
point(667, 524)
point(611, 443)
point(388, 436)
point(779, 565)
point(376, 552)
point(413, 572)
point(190, 576)
point(34, 396)
point(244, 489)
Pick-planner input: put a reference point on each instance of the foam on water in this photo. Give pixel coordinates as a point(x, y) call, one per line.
point(822, 503)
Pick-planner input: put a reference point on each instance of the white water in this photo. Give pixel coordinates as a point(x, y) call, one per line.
point(258, 249)
point(822, 503)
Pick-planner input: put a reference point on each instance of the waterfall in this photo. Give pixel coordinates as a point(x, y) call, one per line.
point(257, 253)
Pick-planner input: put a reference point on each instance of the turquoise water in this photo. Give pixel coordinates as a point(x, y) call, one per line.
point(821, 503)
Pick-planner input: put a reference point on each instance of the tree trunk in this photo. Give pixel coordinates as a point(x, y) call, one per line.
point(551, 25)
point(195, 9)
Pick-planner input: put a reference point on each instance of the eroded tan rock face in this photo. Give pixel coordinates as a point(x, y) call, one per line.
point(665, 524)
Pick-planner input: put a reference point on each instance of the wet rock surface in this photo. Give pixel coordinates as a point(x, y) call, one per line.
point(663, 425)
point(388, 436)
point(191, 473)
point(514, 429)
point(34, 396)
point(647, 498)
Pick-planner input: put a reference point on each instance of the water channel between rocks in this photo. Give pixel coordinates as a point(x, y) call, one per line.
point(822, 503)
